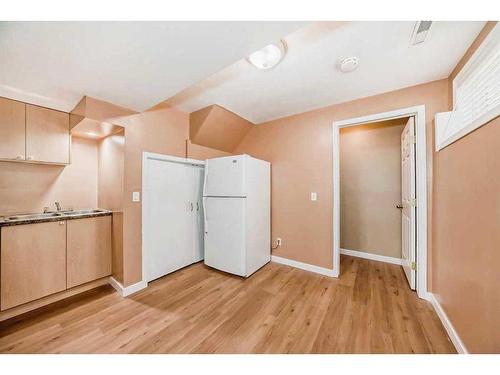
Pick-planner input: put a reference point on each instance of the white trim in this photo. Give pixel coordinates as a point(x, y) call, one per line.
point(452, 333)
point(336, 199)
point(126, 291)
point(421, 175)
point(303, 266)
point(378, 258)
point(153, 156)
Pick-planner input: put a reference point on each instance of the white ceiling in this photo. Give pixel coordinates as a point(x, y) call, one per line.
point(309, 78)
point(132, 64)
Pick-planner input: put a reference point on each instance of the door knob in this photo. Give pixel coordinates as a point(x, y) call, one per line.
point(400, 206)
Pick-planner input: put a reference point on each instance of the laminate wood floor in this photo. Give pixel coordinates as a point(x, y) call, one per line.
point(279, 309)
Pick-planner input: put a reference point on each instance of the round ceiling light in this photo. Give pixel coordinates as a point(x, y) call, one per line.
point(269, 56)
point(349, 64)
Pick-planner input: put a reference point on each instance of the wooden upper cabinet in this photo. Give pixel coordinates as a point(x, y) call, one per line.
point(12, 129)
point(47, 135)
point(89, 250)
point(33, 262)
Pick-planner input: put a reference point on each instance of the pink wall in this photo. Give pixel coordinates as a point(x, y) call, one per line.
point(195, 151)
point(30, 187)
point(300, 150)
point(111, 150)
point(466, 231)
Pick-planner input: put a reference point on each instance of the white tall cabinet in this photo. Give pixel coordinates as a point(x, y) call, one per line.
point(172, 214)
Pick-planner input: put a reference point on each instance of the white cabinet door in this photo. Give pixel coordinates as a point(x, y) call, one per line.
point(225, 234)
point(169, 217)
point(224, 177)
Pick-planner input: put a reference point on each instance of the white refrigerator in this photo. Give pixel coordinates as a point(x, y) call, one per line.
point(237, 214)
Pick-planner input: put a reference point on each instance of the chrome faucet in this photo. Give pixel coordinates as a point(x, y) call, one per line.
point(58, 206)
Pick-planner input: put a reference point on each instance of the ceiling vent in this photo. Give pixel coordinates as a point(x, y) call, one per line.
point(420, 32)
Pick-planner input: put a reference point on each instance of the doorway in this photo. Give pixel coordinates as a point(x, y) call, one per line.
point(417, 238)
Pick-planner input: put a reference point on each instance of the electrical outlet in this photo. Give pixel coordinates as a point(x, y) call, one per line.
point(314, 196)
point(278, 241)
point(136, 196)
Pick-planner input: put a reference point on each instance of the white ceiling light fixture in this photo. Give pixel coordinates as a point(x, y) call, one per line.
point(349, 64)
point(269, 56)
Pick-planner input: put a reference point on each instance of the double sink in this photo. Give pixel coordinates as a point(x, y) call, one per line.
point(48, 216)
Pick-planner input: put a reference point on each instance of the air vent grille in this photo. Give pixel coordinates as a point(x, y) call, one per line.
point(423, 26)
point(420, 32)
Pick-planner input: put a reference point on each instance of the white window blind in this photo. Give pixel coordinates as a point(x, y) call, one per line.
point(476, 93)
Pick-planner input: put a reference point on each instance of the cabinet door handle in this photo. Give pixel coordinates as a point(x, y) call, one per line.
point(197, 206)
point(61, 223)
point(20, 157)
point(191, 203)
point(30, 157)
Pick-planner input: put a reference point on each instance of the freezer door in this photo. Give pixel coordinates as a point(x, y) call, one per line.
point(225, 234)
point(225, 177)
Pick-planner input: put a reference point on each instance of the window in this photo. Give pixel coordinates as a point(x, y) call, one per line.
point(476, 94)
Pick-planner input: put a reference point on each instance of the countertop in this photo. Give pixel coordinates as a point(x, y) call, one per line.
point(53, 216)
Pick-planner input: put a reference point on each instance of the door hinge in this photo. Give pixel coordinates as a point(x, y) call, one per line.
point(413, 266)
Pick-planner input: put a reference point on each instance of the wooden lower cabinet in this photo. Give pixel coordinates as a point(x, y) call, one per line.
point(88, 250)
point(33, 262)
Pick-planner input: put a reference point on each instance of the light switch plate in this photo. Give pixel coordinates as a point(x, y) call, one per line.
point(136, 196)
point(314, 196)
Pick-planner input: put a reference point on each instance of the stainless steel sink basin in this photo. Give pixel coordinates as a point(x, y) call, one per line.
point(83, 212)
point(32, 216)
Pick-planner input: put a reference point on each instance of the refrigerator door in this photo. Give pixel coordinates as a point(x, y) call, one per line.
point(225, 234)
point(225, 177)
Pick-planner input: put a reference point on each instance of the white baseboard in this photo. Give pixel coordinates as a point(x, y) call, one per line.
point(304, 266)
point(379, 258)
point(126, 291)
point(455, 339)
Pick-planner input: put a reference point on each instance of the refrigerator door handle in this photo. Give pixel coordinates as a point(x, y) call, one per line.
point(205, 179)
point(205, 219)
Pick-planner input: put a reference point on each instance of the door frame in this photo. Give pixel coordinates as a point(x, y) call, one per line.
point(421, 186)
point(146, 156)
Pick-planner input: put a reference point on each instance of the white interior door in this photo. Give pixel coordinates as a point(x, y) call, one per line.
point(408, 192)
point(171, 210)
